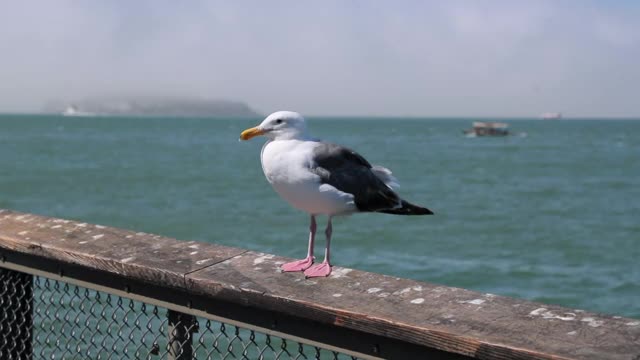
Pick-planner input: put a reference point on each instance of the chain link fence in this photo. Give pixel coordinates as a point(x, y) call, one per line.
point(42, 318)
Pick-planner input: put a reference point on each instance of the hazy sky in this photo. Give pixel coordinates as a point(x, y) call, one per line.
point(468, 58)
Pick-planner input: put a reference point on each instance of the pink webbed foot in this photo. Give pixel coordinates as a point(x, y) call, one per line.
point(319, 270)
point(299, 265)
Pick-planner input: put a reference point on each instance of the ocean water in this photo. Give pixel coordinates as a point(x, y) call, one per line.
point(553, 216)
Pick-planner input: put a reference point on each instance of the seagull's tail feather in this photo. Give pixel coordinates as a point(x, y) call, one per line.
point(408, 208)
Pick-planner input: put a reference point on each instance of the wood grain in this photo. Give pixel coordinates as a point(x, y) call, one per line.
point(458, 321)
point(136, 254)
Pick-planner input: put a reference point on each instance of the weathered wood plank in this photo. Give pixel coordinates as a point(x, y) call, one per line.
point(140, 255)
point(455, 320)
point(485, 326)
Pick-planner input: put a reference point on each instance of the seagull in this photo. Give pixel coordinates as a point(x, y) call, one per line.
point(322, 178)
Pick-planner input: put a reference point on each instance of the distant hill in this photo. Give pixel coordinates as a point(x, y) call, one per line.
point(153, 106)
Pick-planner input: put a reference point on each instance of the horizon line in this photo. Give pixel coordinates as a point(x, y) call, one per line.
point(360, 116)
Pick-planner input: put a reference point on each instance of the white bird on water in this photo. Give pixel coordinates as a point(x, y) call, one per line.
point(322, 178)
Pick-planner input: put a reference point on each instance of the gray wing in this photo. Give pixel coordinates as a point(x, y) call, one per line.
point(349, 172)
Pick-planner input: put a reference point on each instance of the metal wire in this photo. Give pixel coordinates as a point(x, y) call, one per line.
point(41, 318)
point(15, 314)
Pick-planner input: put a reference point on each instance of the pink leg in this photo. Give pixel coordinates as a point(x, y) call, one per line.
point(324, 268)
point(301, 265)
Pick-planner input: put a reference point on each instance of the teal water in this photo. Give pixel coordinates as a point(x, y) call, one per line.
point(552, 217)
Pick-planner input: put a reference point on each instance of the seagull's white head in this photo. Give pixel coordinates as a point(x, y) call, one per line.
point(281, 125)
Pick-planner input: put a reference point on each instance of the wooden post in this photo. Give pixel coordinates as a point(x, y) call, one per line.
point(180, 334)
point(16, 317)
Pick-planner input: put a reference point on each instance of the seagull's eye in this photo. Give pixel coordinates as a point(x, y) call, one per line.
point(279, 121)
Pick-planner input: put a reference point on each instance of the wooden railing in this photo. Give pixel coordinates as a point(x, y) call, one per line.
point(362, 314)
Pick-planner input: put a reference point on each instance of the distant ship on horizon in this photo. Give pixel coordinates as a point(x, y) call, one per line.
point(551, 116)
point(481, 128)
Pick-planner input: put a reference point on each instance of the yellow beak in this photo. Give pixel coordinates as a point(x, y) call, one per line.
point(249, 133)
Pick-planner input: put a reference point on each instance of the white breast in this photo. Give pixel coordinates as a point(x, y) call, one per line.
point(286, 165)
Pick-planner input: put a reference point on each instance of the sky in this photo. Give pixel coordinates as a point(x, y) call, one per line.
point(383, 58)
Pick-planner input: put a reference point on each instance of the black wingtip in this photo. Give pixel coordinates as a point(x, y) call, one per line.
point(417, 210)
point(408, 209)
